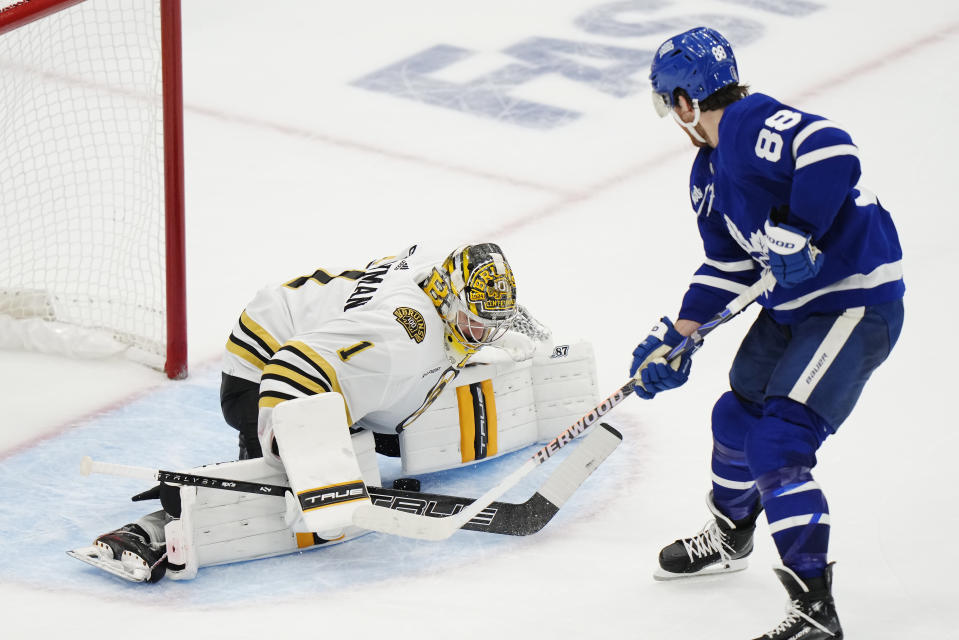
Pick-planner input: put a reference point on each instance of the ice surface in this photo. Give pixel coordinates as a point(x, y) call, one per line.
point(324, 134)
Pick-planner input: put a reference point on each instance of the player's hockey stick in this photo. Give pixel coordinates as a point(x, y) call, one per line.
point(412, 525)
point(504, 518)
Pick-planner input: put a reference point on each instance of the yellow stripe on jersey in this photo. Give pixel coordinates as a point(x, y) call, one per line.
point(259, 332)
point(321, 364)
point(477, 413)
point(237, 350)
point(282, 370)
point(268, 402)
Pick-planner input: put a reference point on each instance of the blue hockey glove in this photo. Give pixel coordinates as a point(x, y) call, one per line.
point(650, 371)
point(792, 257)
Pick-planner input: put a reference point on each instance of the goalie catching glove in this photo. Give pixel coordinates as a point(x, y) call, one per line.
point(650, 371)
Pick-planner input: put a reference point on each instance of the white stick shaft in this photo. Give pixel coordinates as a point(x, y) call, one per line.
point(89, 466)
point(747, 297)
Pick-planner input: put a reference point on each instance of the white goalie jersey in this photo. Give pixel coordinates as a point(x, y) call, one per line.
point(371, 335)
point(374, 336)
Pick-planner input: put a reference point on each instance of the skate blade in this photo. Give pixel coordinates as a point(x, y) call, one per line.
point(719, 568)
point(90, 556)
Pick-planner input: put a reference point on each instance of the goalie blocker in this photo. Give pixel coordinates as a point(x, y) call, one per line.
point(493, 410)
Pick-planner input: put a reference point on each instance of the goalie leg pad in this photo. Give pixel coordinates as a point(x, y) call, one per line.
point(497, 409)
point(313, 437)
point(220, 527)
point(565, 387)
point(488, 413)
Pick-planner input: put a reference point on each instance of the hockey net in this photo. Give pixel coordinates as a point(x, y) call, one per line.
point(91, 231)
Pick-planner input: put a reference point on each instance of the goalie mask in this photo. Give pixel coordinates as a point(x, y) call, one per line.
point(475, 293)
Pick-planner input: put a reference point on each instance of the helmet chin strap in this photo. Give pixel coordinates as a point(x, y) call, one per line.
point(691, 127)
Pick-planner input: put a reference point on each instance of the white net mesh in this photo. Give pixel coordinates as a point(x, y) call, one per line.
point(82, 202)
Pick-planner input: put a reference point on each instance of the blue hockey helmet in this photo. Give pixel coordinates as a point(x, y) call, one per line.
point(700, 61)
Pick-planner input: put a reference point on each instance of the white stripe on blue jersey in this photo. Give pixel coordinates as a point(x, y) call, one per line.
point(880, 275)
point(824, 153)
point(808, 130)
point(738, 265)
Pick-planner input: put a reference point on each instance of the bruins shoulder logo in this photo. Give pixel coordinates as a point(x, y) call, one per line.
point(413, 321)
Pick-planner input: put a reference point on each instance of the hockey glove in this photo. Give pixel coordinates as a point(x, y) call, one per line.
point(650, 371)
point(792, 257)
point(510, 348)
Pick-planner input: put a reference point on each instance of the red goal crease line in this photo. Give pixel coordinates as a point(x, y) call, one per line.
point(889, 57)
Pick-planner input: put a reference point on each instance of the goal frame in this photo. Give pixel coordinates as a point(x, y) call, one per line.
point(27, 11)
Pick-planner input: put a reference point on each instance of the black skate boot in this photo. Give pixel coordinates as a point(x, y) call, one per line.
point(811, 612)
point(721, 547)
point(129, 552)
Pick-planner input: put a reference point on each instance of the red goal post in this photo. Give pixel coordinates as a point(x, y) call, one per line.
point(92, 258)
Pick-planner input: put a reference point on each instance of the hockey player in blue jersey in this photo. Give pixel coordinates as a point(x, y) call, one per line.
point(773, 188)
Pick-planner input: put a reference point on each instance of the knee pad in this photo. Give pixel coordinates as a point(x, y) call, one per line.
point(732, 419)
point(788, 435)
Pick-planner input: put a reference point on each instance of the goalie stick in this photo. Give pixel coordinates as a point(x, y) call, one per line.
point(503, 518)
point(412, 525)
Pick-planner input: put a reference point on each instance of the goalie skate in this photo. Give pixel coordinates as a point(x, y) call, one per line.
point(125, 553)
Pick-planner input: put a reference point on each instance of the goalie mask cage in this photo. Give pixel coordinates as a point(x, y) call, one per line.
point(91, 204)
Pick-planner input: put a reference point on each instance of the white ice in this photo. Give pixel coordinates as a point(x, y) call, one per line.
point(291, 166)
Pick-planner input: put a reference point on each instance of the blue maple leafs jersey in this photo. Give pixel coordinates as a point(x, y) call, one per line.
point(770, 156)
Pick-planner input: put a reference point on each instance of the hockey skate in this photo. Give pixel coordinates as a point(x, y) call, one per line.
point(721, 547)
point(129, 552)
point(811, 612)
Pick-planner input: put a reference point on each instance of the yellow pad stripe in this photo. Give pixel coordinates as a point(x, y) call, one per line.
point(323, 506)
point(356, 488)
point(464, 399)
point(491, 430)
point(468, 421)
point(304, 540)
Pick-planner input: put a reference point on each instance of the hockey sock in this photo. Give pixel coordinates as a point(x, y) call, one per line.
point(781, 452)
point(798, 518)
point(734, 492)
